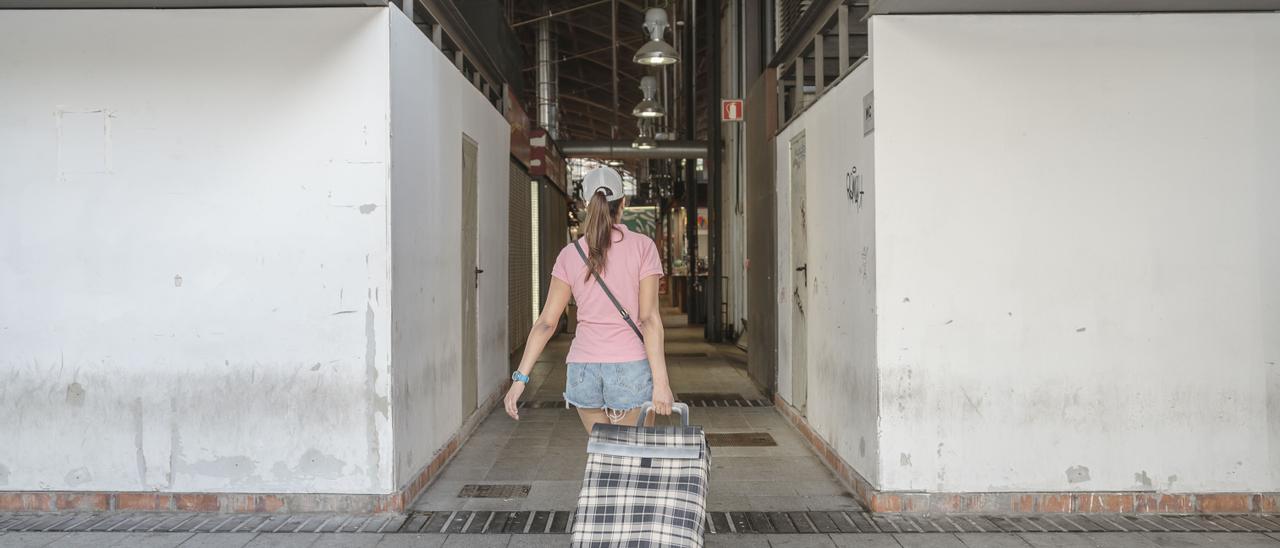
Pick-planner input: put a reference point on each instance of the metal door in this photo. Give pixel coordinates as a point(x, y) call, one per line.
point(799, 278)
point(470, 276)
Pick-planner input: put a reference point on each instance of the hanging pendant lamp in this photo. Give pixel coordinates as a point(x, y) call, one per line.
point(647, 107)
point(656, 51)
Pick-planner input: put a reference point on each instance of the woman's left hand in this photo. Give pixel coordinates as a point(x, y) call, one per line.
point(662, 399)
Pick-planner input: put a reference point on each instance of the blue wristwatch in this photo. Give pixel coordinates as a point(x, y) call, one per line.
point(519, 377)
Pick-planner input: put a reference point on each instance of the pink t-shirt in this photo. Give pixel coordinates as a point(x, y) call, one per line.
point(602, 335)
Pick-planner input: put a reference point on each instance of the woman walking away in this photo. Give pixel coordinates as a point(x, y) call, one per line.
point(616, 361)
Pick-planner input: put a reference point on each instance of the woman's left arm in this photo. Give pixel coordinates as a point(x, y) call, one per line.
point(651, 326)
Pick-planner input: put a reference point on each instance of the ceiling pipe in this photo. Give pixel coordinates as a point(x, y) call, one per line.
point(622, 150)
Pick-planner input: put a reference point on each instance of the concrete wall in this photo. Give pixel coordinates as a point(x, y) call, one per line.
point(1078, 257)
point(194, 264)
point(432, 107)
point(843, 398)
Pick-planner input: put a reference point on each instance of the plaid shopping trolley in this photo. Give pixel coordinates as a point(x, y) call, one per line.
point(644, 486)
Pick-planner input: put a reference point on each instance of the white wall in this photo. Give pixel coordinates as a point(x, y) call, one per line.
point(1078, 252)
point(432, 106)
point(843, 398)
point(194, 259)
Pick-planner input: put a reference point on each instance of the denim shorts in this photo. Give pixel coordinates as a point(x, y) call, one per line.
point(618, 386)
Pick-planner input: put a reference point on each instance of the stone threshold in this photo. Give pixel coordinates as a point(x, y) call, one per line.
point(1075, 502)
point(264, 503)
point(559, 522)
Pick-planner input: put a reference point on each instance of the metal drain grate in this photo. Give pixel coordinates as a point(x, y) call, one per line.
point(501, 491)
point(729, 400)
point(548, 521)
point(741, 439)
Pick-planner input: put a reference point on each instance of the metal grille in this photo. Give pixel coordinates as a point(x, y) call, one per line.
point(557, 521)
point(554, 231)
point(494, 491)
point(787, 15)
point(740, 439)
point(519, 259)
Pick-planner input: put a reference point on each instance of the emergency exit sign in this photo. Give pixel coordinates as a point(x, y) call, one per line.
point(731, 110)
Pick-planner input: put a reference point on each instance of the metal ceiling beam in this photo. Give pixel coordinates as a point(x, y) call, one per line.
point(181, 4)
point(886, 7)
point(621, 150)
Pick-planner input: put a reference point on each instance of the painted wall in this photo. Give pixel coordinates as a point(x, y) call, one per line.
point(194, 260)
point(843, 398)
point(1078, 257)
point(432, 107)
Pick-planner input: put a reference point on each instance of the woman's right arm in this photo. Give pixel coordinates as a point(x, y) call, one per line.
point(543, 329)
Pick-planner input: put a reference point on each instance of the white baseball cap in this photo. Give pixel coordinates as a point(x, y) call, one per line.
point(602, 178)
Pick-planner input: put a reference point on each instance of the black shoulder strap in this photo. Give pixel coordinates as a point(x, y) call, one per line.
point(600, 281)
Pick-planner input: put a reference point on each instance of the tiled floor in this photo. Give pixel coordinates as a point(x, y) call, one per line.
point(547, 447)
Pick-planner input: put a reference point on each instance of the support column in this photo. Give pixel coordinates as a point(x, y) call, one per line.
point(715, 220)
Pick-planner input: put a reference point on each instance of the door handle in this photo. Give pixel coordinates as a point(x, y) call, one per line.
point(804, 268)
point(479, 271)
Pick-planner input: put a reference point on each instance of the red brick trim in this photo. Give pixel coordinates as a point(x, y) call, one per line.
point(99, 501)
point(914, 502)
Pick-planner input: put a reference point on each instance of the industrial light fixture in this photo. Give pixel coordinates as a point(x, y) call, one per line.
point(644, 141)
point(647, 107)
point(656, 51)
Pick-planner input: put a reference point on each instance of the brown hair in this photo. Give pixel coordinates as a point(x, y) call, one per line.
point(598, 229)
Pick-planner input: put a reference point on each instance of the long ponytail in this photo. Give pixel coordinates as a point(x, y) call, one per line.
point(598, 229)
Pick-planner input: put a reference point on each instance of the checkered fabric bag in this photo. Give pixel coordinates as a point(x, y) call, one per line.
point(644, 486)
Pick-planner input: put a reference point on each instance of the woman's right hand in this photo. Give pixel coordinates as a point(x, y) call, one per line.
point(513, 399)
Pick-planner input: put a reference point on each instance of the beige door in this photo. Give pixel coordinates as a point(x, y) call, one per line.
point(470, 276)
point(799, 278)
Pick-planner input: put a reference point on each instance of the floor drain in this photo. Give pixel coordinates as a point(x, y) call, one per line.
point(500, 491)
point(741, 439)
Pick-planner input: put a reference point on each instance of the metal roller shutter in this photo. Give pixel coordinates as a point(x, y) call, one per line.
point(519, 259)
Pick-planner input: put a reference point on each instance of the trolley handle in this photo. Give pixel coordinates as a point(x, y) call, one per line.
point(678, 407)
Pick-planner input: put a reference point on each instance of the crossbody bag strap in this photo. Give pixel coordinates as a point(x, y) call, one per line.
point(600, 281)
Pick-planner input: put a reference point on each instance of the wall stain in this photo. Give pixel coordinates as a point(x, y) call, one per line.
point(75, 395)
point(368, 208)
point(371, 393)
point(140, 457)
point(4, 475)
point(904, 459)
point(1142, 479)
point(177, 280)
point(343, 312)
point(79, 476)
point(312, 464)
point(1078, 474)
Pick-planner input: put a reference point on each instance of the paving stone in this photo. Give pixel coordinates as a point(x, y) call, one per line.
point(29, 540)
point(1120, 540)
point(345, 540)
point(862, 540)
point(1243, 540)
point(992, 540)
point(799, 541)
point(730, 540)
point(152, 540)
point(1179, 539)
point(928, 540)
point(283, 540)
point(218, 540)
point(477, 541)
point(412, 541)
point(536, 541)
point(1058, 540)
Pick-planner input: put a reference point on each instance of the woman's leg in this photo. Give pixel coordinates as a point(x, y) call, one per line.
point(591, 417)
